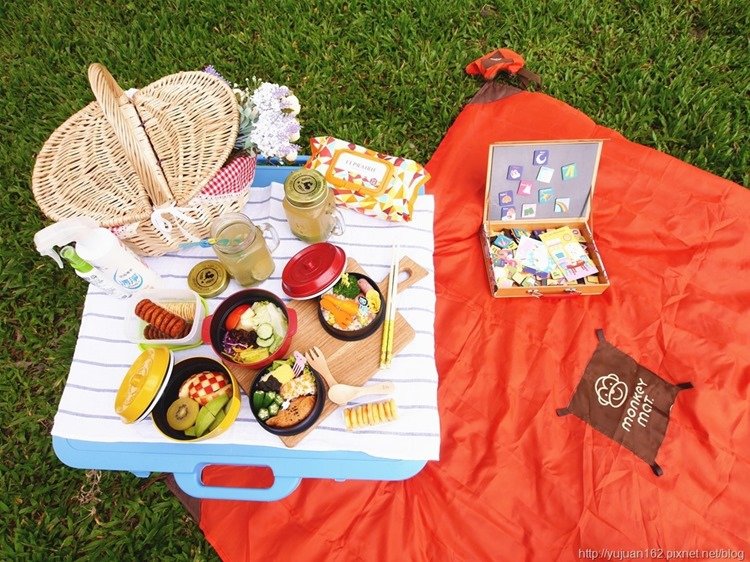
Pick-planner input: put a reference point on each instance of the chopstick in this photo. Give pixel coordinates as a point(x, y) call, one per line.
point(386, 348)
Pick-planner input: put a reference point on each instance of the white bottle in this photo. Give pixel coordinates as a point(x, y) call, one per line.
point(89, 273)
point(101, 249)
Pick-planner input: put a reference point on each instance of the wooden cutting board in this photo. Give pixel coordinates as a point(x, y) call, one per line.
point(351, 362)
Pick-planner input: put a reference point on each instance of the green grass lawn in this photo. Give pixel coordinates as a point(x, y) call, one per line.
point(674, 75)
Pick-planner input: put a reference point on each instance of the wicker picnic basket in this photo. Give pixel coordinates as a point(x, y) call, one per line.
point(148, 166)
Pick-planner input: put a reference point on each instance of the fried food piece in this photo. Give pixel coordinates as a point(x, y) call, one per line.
point(185, 310)
point(153, 333)
point(161, 319)
point(298, 410)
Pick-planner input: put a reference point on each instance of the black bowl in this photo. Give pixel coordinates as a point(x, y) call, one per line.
point(180, 373)
point(320, 399)
point(354, 335)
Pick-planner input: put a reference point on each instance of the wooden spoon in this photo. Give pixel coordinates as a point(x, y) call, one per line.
point(343, 393)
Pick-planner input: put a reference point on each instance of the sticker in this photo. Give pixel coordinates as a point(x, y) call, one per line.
point(577, 234)
point(569, 172)
point(519, 277)
point(528, 210)
point(562, 204)
point(569, 255)
point(508, 213)
point(519, 233)
point(545, 174)
point(503, 241)
point(546, 194)
point(524, 188)
point(541, 157)
point(506, 197)
point(514, 172)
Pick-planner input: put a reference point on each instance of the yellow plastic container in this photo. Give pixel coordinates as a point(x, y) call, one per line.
point(153, 383)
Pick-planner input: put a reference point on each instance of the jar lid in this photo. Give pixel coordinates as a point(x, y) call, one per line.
point(312, 271)
point(305, 188)
point(143, 384)
point(208, 278)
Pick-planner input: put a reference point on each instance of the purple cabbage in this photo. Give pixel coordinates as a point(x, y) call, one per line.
point(238, 340)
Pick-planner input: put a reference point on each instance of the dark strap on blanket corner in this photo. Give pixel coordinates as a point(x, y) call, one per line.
point(526, 77)
point(563, 411)
point(684, 386)
point(656, 469)
point(600, 335)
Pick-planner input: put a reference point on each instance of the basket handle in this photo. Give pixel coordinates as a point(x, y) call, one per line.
point(126, 124)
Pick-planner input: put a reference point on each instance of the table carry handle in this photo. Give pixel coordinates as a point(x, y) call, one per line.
point(191, 483)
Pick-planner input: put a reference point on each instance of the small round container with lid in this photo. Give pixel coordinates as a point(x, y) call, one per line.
point(350, 304)
point(310, 207)
point(193, 400)
point(208, 278)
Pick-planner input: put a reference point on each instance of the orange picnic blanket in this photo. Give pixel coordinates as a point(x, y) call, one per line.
point(514, 481)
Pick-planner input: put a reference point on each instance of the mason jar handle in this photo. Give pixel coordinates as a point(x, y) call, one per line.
point(339, 225)
point(274, 236)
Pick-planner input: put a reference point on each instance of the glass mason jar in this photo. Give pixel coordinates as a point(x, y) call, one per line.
point(243, 249)
point(310, 207)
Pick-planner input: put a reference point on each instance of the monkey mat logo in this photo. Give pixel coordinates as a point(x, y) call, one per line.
point(610, 390)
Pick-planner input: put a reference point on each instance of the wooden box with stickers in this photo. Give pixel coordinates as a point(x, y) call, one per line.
point(537, 235)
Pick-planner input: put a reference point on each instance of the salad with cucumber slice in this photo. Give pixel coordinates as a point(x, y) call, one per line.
point(253, 332)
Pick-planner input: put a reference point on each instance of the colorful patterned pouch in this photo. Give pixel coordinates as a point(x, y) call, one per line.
point(370, 182)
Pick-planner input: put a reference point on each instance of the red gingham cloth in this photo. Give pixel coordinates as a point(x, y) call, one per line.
point(232, 178)
point(235, 176)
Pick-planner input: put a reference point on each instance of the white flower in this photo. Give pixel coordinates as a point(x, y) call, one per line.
point(268, 123)
point(292, 106)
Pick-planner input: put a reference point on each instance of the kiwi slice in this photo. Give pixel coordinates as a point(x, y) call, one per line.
point(182, 413)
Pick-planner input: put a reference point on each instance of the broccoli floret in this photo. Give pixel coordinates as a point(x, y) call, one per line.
point(347, 287)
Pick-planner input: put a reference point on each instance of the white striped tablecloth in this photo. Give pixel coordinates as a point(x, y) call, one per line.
point(103, 354)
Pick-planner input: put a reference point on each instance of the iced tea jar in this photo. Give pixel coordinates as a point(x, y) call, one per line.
point(241, 246)
point(310, 207)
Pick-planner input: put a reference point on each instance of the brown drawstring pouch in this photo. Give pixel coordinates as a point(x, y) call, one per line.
point(624, 401)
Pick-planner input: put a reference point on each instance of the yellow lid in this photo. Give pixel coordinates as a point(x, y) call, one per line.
point(143, 384)
point(208, 278)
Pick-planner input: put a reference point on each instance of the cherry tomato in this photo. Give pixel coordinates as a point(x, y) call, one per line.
point(234, 317)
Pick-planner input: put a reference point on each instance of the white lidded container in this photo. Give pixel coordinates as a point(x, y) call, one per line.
point(134, 325)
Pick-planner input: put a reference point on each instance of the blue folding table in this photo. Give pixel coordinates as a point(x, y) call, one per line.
point(187, 461)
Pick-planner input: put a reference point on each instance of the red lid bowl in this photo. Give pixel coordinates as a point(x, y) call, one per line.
point(312, 271)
